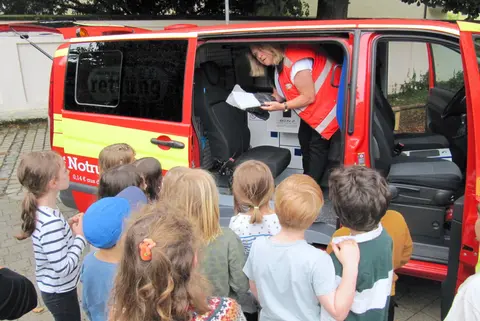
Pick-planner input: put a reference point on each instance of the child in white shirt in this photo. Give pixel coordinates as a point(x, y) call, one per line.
point(466, 305)
point(252, 189)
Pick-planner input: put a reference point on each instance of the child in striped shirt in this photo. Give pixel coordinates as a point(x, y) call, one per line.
point(252, 190)
point(57, 243)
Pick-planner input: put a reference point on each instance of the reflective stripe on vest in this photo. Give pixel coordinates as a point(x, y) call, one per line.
point(327, 120)
point(319, 82)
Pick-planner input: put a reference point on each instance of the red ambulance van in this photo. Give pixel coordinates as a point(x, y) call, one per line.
point(164, 94)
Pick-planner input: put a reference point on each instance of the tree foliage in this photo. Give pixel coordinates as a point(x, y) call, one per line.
point(471, 8)
point(297, 8)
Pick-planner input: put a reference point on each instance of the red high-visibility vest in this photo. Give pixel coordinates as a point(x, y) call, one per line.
point(321, 114)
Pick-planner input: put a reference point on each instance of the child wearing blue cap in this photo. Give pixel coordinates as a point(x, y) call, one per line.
point(103, 224)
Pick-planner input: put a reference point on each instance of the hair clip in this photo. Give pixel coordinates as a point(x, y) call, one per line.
point(145, 248)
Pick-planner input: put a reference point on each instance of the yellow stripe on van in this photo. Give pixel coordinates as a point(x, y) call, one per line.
point(87, 139)
point(57, 131)
point(57, 140)
point(468, 26)
point(60, 53)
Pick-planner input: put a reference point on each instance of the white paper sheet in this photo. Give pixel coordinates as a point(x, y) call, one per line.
point(241, 99)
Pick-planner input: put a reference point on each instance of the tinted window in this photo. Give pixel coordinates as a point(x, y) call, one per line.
point(141, 79)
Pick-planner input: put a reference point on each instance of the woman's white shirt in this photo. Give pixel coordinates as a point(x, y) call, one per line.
point(302, 64)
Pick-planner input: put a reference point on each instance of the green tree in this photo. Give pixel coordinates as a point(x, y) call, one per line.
point(471, 8)
point(332, 9)
point(156, 7)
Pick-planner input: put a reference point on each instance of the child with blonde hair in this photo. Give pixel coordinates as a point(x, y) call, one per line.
point(114, 155)
point(252, 189)
point(159, 267)
point(194, 193)
point(291, 279)
point(58, 244)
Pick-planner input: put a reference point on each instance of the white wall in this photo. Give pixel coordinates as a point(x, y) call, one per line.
point(25, 76)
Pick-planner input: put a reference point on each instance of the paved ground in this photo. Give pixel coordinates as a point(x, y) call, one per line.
point(418, 299)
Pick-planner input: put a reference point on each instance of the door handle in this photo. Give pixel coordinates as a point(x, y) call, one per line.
point(168, 143)
point(332, 79)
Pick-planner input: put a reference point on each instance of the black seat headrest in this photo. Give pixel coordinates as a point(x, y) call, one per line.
point(211, 71)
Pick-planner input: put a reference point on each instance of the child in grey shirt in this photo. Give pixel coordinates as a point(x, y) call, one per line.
point(291, 279)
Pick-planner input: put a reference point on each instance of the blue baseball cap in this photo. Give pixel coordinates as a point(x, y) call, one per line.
point(104, 220)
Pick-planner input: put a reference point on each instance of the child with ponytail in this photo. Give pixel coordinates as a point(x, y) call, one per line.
point(252, 189)
point(57, 244)
point(158, 278)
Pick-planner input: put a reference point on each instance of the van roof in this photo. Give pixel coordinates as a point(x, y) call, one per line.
point(189, 31)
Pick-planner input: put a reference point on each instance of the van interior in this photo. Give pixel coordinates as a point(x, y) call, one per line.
point(229, 136)
point(425, 170)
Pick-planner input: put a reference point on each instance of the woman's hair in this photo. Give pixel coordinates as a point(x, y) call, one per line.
point(114, 155)
point(151, 170)
point(117, 179)
point(35, 172)
point(169, 287)
point(252, 187)
point(195, 194)
point(257, 69)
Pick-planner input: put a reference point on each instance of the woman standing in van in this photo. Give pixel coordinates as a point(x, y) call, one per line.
point(302, 83)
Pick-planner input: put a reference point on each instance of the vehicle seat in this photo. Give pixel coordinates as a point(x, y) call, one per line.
point(226, 127)
point(411, 141)
point(434, 180)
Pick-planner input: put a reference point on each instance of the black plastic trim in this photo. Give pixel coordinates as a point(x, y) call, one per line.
point(66, 196)
point(450, 283)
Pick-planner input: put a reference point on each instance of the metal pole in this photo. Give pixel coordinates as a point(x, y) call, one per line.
point(24, 37)
point(227, 12)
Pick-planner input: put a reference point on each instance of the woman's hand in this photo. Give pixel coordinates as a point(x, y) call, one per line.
point(273, 106)
point(277, 96)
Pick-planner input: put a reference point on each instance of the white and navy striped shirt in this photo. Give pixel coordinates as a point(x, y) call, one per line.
point(248, 232)
point(57, 252)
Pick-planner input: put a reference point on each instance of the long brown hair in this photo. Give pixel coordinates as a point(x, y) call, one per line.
point(168, 287)
point(151, 170)
point(195, 194)
point(35, 171)
point(252, 188)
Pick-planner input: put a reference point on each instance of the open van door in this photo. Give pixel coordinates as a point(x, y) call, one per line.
point(464, 248)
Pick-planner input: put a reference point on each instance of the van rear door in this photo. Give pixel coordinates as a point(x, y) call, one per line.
point(126, 91)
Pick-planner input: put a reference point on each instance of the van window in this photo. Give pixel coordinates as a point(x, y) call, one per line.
point(142, 79)
point(448, 68)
